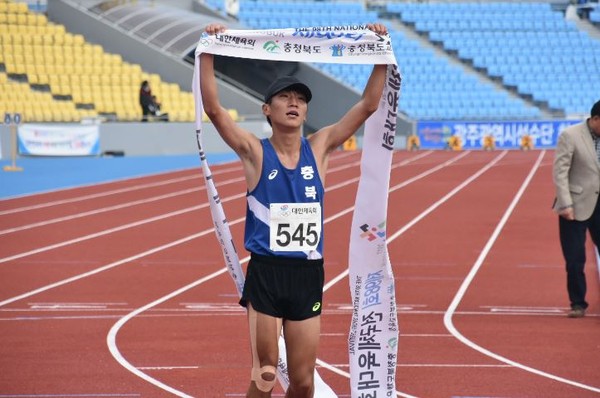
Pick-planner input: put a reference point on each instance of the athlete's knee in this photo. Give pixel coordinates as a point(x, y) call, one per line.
point(301, 385)
point(264, 377)
point(301, 389)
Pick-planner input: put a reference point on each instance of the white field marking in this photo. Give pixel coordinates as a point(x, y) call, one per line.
point(146, 253)
point(89, 395)
point(115, 229)
point(406, 227)
point(469, 278)
point(112, 208)
point(122, 227)
point(208, 315)
point(393, 189)
point(346, 311)
point(67, 306)
point(214, 307)
point(98, 195)
point(429, 209)
point(348, 306)
point(119, 262)
point(336, 369)
point(141, 222)
point(114, 264)
point(167, 367)
point(401, 335)
point(111, 338)
point(173, 313)
point(395, 165)
point(437, 365)
point(123, 190)
point(134, 203)
point(523, 309)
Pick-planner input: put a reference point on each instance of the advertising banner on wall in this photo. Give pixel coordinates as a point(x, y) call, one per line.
point(46, 140)
point(507, 134)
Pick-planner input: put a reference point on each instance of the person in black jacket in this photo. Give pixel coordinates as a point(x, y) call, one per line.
point(150, 105)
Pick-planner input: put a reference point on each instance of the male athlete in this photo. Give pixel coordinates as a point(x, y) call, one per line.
point(285, 177)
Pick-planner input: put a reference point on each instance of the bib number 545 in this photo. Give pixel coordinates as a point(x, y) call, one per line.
point(303, 235)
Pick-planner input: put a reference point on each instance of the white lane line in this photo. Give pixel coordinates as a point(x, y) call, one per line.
point(120, 206)
point(111, 338)
point(448, 322)
point(98, 195)
point(429, 209)
point(132, 203)
point(527, 310)
point(113, 230)
point(127, 189)
point(406, 228)
point(112, 265)
point(152, 219)
point(130, 225)
point(163, 247)
point(438, 365)
point(90, 395)
point(167, 367)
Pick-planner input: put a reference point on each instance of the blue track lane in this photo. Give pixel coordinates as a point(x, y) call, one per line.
point(43, 174)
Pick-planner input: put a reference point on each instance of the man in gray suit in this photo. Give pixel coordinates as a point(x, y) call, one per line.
point(576, 175)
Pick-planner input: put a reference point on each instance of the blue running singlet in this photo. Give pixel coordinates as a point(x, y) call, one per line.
point(284, 215)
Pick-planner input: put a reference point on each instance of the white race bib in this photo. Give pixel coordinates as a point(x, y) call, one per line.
point(295, 226)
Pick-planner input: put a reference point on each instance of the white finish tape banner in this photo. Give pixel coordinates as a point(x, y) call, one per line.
point(374, 331)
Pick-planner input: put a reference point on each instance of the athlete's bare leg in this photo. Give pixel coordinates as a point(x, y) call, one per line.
point(302, 342)
point(264, 334)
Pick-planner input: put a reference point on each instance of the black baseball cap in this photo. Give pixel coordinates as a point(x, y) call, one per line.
point(287, 83)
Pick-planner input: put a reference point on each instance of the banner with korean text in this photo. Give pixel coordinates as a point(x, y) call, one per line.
point(374, 332)
point(506, 134)
point(64, 140)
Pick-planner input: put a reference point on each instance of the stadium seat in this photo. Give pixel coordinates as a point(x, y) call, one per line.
point(75, 72)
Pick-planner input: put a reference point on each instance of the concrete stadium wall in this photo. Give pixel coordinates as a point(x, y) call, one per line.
point(158, 138)
point(151, 139)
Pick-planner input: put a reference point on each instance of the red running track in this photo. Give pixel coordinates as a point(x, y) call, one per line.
point(119, 290)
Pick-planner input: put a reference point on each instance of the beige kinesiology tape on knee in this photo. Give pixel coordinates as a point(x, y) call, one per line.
point(258, 378)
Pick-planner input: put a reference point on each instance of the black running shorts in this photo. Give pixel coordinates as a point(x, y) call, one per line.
point(288, 288)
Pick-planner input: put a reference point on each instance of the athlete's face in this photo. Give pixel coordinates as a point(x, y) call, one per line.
point(288, 108)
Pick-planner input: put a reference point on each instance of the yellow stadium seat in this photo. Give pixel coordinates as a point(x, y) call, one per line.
point(22, 8)
point(11, 18)
point(43, 78)
point(33, 78)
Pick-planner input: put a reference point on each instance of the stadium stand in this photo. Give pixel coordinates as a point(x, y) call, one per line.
point(527, 46)
point(51, 75)
point(281, 14)
point(460, 60)
point(595, 16)
point(433, 88)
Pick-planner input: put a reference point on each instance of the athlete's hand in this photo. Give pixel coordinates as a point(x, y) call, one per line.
point(378, 28)
point(214, 28)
